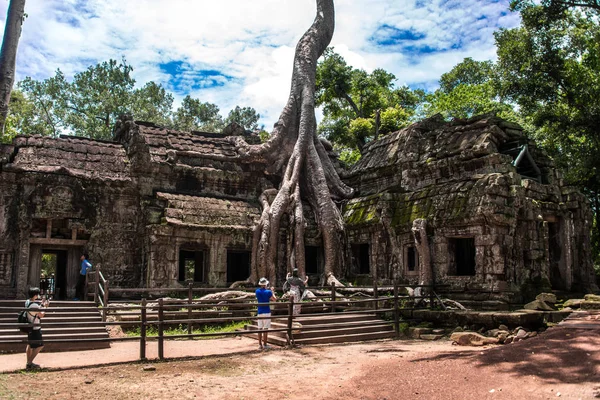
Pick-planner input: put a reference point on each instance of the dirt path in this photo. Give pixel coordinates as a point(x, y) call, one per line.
point(562, 362)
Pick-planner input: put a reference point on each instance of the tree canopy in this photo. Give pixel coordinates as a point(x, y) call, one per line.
point(91, 102)
point(358, 106)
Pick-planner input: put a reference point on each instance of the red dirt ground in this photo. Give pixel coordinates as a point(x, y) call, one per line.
point(562, 362)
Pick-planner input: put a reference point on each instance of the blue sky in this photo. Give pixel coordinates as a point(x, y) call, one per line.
point(240, 52)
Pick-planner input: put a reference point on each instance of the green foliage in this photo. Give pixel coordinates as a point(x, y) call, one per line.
point(393, 119)
point(350, 97)
point(348, 156)
point(90, 104)
point(194, 115)
point(264, 135)
point(549, 67)
point(361, 128)
point(469, 89)
point(48, 264)
point(182, 329)
point(245, 116)
point(152, 103)
point(468, 72)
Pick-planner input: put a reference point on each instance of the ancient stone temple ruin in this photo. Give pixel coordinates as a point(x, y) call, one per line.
point(472, 206)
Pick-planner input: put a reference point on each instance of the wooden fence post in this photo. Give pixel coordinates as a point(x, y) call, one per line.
point(290, 322)
point(96, 288)
point(105, 300)
point(375, 294)
point(143, 331)
point(396, 312)
point(189, 326)
point(161, 344)
point(333, 297)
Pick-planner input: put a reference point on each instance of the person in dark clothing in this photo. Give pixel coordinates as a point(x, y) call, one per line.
point(35, 343)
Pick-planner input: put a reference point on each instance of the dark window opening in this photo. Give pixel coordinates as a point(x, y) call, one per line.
point(462, 256)
point(238, 266)
point(311, 259)
point(411, 259)
point(191, 266)
point(53, 274)
point(360, 253)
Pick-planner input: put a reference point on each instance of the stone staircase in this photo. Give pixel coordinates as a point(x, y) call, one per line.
point(340, 328)
point(70, 325)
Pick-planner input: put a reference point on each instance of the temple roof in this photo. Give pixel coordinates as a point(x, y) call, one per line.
point(201, 144)
point(69, 155)
point(434, 139)
point(208, 211)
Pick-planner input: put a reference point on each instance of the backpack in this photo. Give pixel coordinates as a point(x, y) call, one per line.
point(23, 319)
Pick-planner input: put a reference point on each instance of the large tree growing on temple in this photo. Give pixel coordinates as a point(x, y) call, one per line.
point(297, 156)
point(8, 55)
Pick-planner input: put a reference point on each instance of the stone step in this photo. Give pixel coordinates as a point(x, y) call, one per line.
point(67, 330)
point(78, 320)
point(337, 318)
point(353, 330)
point(18, 343)
point(330, 329)
point(323, 331)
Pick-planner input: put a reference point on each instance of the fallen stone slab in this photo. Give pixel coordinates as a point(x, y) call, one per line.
point(538, 305)
point(549, 298)
point(471, 339)
point(416, 332)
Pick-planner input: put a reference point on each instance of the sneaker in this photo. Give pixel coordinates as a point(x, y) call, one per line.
point(266, 347)
point(33, 366)
point(260, 347)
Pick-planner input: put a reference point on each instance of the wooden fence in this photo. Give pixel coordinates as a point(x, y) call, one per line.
point(143, 314)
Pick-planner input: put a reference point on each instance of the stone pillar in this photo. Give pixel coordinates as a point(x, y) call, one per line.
point(419, 230)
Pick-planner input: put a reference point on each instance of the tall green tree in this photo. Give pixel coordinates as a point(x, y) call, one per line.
point(97, 97)
point(469, 88)
point(354, 102)
point(550, 67)
point(152, 103)
point(90, 104)
point(194, 115)
point(245, 116)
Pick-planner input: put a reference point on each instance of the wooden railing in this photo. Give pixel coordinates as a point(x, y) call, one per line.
point(100, 291)
point(210, 312)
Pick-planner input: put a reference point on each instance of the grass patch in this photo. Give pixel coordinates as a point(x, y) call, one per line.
point(183, 330)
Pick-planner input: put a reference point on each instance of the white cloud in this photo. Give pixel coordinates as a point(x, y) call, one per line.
point(252, 42)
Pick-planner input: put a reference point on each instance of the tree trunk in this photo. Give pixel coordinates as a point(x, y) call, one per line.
point(8, 55)
point(296, 154)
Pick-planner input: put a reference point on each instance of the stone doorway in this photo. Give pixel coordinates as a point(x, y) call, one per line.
point(62, 260)
point(54, 265)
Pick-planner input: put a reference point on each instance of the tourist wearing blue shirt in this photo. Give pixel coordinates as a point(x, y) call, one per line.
point(264, 295)
point(80, 289)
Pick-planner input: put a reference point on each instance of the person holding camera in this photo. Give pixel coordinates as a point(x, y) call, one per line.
point(35, 343)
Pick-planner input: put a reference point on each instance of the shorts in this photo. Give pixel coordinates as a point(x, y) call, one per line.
point(35, 338)
point(264, 323)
